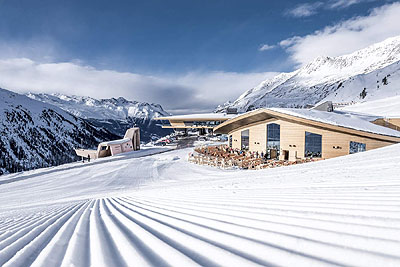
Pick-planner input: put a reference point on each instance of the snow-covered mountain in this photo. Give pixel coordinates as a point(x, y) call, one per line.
point(368, 74)
point(115, 114)
point(34, 134)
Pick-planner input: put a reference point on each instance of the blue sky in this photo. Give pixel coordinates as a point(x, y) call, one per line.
point(173, 48)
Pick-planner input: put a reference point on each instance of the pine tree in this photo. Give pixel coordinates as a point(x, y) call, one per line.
point(363, 94)
point(384, 81)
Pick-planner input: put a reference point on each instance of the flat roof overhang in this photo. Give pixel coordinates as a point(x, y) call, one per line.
point(198, 117)
point(261, 115)
point(241, 121)
point(187, 127)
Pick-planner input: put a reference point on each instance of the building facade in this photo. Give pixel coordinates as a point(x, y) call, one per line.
point(287, 135)
point(204, 123)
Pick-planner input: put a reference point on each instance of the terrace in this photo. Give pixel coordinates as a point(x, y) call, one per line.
point(224, 157)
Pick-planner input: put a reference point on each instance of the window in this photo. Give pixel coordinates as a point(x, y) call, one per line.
point(273, 136)
point(273, 140)
point(356, 147)
point(245, 140)
point(313, 147)
point(230, 141)
point(165, 123)
point(103, 148)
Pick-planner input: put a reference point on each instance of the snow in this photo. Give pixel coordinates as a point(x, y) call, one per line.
point(161, 210)
point(10, 100)
point(347, 120)
point(113, 108)
point(388, 107)
point(338, 79)
point(36, 134)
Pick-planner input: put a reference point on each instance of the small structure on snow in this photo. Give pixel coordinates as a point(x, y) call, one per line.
point(130, 142)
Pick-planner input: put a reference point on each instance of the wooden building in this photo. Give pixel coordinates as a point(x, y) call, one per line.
point(290, 134)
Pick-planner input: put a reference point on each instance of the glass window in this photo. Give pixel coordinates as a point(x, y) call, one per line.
point(245, 140)
point(273, 136)
point(273, 140)
point(356, 147)
point(313, 147)
point(165, 123)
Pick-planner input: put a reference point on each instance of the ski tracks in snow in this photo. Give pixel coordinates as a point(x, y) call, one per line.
point(350, 227)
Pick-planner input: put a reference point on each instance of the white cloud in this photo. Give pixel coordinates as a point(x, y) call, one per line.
point(192, 92)
point(266, 47)
point(340, 4)
point(304, 10)
point(346, 36)
point(309, 9)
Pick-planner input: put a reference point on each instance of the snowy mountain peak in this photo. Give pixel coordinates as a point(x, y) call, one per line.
point(367, 74)
point(113, 108)
point(36, 134)
point(365, 60)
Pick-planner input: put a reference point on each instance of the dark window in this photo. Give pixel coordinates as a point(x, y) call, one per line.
point(245, 140)
point(273, 136)
point(356, 147)
point(230, 141)
point(103, 148)
point(165, 123)
point(273, 140)
point(313, 148)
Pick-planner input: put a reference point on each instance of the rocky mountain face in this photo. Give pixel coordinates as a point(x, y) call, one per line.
point(114, 114)
point(34, 134)
point(368, 74)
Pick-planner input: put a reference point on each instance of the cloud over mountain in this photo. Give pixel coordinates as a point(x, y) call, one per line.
point(346, 36)
point(180, 93)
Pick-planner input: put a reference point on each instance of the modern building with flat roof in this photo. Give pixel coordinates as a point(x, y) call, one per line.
point(291, 134)
point(205, 122)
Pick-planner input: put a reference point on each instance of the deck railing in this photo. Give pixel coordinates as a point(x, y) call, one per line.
point(223, 156)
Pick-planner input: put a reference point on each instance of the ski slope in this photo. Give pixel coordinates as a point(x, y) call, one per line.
point(161, 210)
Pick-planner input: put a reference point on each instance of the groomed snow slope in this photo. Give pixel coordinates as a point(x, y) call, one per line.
point(161, 210)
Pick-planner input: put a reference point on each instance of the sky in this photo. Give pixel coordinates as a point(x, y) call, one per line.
point(189, 56)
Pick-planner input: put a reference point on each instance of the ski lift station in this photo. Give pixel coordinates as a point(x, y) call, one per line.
point(204, 123)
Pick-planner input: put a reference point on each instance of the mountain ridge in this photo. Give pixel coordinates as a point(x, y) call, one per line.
point(34, 134)
point(114, 114)
point(325, 78)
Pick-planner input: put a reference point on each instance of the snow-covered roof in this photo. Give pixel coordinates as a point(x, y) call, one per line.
point(202, 116)
point(388, 107)
point(347, 120)
point(115, 142)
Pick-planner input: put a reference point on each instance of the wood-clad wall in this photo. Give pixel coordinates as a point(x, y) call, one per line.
point(390, 123)
point(334, 144)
